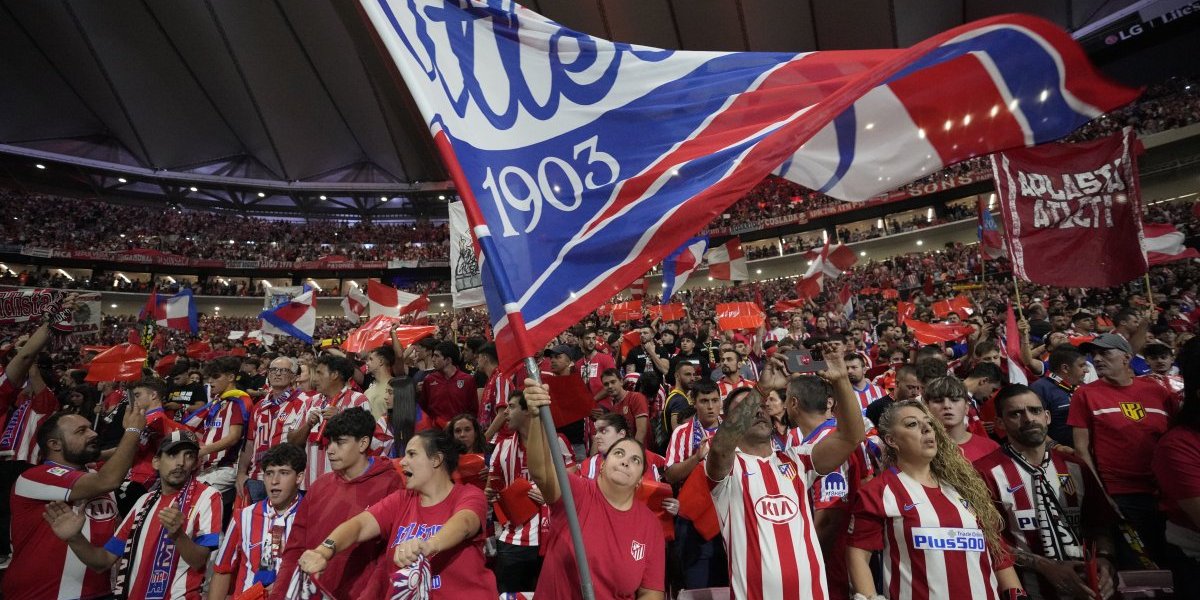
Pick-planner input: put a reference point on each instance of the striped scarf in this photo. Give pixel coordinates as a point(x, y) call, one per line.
point(125, 572)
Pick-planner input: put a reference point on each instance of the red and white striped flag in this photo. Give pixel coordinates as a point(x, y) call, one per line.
point(637, 289)
point(846, 301)
point(727, 262)
point(1164, 244)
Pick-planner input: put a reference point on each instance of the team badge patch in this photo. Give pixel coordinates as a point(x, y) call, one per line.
point(637, 550)
point(460, 384)
point(1133, 410)
point(58, 471)
point(787, 471)
point(1067, 483)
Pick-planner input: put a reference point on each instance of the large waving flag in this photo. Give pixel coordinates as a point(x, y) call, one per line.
point(297, 318)
point(727, 262)
point(177, 312)
point(681, 264)
point(387, 300)
point(583, 162)
point(991, 241)
point(354, 304)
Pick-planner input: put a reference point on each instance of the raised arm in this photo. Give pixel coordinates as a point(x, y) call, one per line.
point(724, 443)
point(110, 476)
point(537, 447)
point(832, 451)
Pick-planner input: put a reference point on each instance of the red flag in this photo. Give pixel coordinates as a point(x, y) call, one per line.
point(739, 315)
point(934, 333)
point(696, 505)
point(198, 349)
point(1072, 212)
point(629, 341)
point(788, 305)
point(572, 400)
point(959, 304)
point(149, 310)
point(904, 311)
point(846, 300)
point(891, 294)
point(667, 312)
point(809, 286)
point(1164, 244)
point(627, 311)
point(377, 331)
point(119, 363)
point(164, 364)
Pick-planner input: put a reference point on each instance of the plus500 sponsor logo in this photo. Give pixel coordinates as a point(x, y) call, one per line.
point(948, 538)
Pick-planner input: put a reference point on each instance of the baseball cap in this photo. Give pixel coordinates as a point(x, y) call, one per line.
point(563, 349)
point(1108, 341)
point(177, 439)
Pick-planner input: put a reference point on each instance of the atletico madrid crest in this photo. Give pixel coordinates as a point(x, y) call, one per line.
point(787, 470)
point(637, 550)
point(1133, 410)
point(1066, 483)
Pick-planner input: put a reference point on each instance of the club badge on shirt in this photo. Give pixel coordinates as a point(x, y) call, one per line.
point(58, 471)
point(637, 550)
point(460, 384)
point(1133, 410)
point(1066, 483)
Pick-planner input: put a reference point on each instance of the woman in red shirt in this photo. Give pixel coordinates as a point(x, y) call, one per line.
point(433, 523)
point(624, 541)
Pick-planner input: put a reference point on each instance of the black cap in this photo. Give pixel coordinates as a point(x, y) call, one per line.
point(178, 438)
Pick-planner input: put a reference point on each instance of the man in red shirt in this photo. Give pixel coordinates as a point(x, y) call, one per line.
point(270, 422)
point(42, 566)
point(592, 366)
point(1117, 422)
point(448, 391)
point(630, 405)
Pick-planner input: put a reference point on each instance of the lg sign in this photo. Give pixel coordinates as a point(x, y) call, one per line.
point(776, 509)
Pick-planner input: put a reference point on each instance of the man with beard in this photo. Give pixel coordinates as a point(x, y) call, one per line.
point(41, 565)
point(1052, 504)
point(162, 547)
point(731, 370)
point(689, 353)
point(593, 364)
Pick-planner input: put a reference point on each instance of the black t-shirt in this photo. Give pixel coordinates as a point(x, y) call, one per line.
point(250, 382)
point(696, 358)
point(640, 360)
point(189, 396)
point(876, 408)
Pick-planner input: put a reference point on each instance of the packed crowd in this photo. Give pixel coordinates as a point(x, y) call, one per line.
point(73, 224)
point(721, 454)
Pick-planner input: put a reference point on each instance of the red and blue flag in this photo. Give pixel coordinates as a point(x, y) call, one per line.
point(583, 162)
point(680, 264)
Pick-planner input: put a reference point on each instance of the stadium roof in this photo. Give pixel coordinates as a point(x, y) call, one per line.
point(287, 105)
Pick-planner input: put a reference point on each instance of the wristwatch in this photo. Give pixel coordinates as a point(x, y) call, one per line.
point(331, 545)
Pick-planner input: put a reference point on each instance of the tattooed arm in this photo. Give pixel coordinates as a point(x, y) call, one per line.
point(724, 443)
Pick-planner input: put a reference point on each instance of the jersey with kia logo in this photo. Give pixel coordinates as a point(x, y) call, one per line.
point(767, 524)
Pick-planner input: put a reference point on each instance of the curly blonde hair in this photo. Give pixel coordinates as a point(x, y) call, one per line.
point(950, 467)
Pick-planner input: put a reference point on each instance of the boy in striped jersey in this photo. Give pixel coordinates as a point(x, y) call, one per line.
point(1052, 504)
point(253, 545)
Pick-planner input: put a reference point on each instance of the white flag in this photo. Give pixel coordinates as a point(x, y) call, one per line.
point(466, 278)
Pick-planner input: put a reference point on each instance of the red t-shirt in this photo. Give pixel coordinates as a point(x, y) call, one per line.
point(1125, 424)
point(591, 368)
point(42, 565)
point(625, 548)
point(447, 397)
point(633, 406)
point(978, 447)
point(458, 572)
point(1177, 466)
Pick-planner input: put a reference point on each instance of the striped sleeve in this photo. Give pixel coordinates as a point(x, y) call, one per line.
point(677, 449)
point(230, 553)
point(204, 524)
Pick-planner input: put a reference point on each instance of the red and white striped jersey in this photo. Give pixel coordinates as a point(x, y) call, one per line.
point(254, 541)
point(202, 509)
point(724, 386)
point(508, 465)
point(271, 421)
point(868, 394)
point(233, 410)
point(495, 398)
point(318, 462)
point(19, 439)
point(932, 545)
point(686, 439)
point(767, 524)
point(1013, 490)
point(42, 565)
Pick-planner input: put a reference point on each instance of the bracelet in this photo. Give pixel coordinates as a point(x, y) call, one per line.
point(133, 430)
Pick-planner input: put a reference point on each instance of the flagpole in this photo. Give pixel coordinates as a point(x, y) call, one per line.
point(1017, 291)
point(1149, 292)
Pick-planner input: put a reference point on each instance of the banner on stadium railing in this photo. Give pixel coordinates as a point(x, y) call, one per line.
point(466, 280)
point(150, 257)
point(20, 305)
point(1072, 212)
